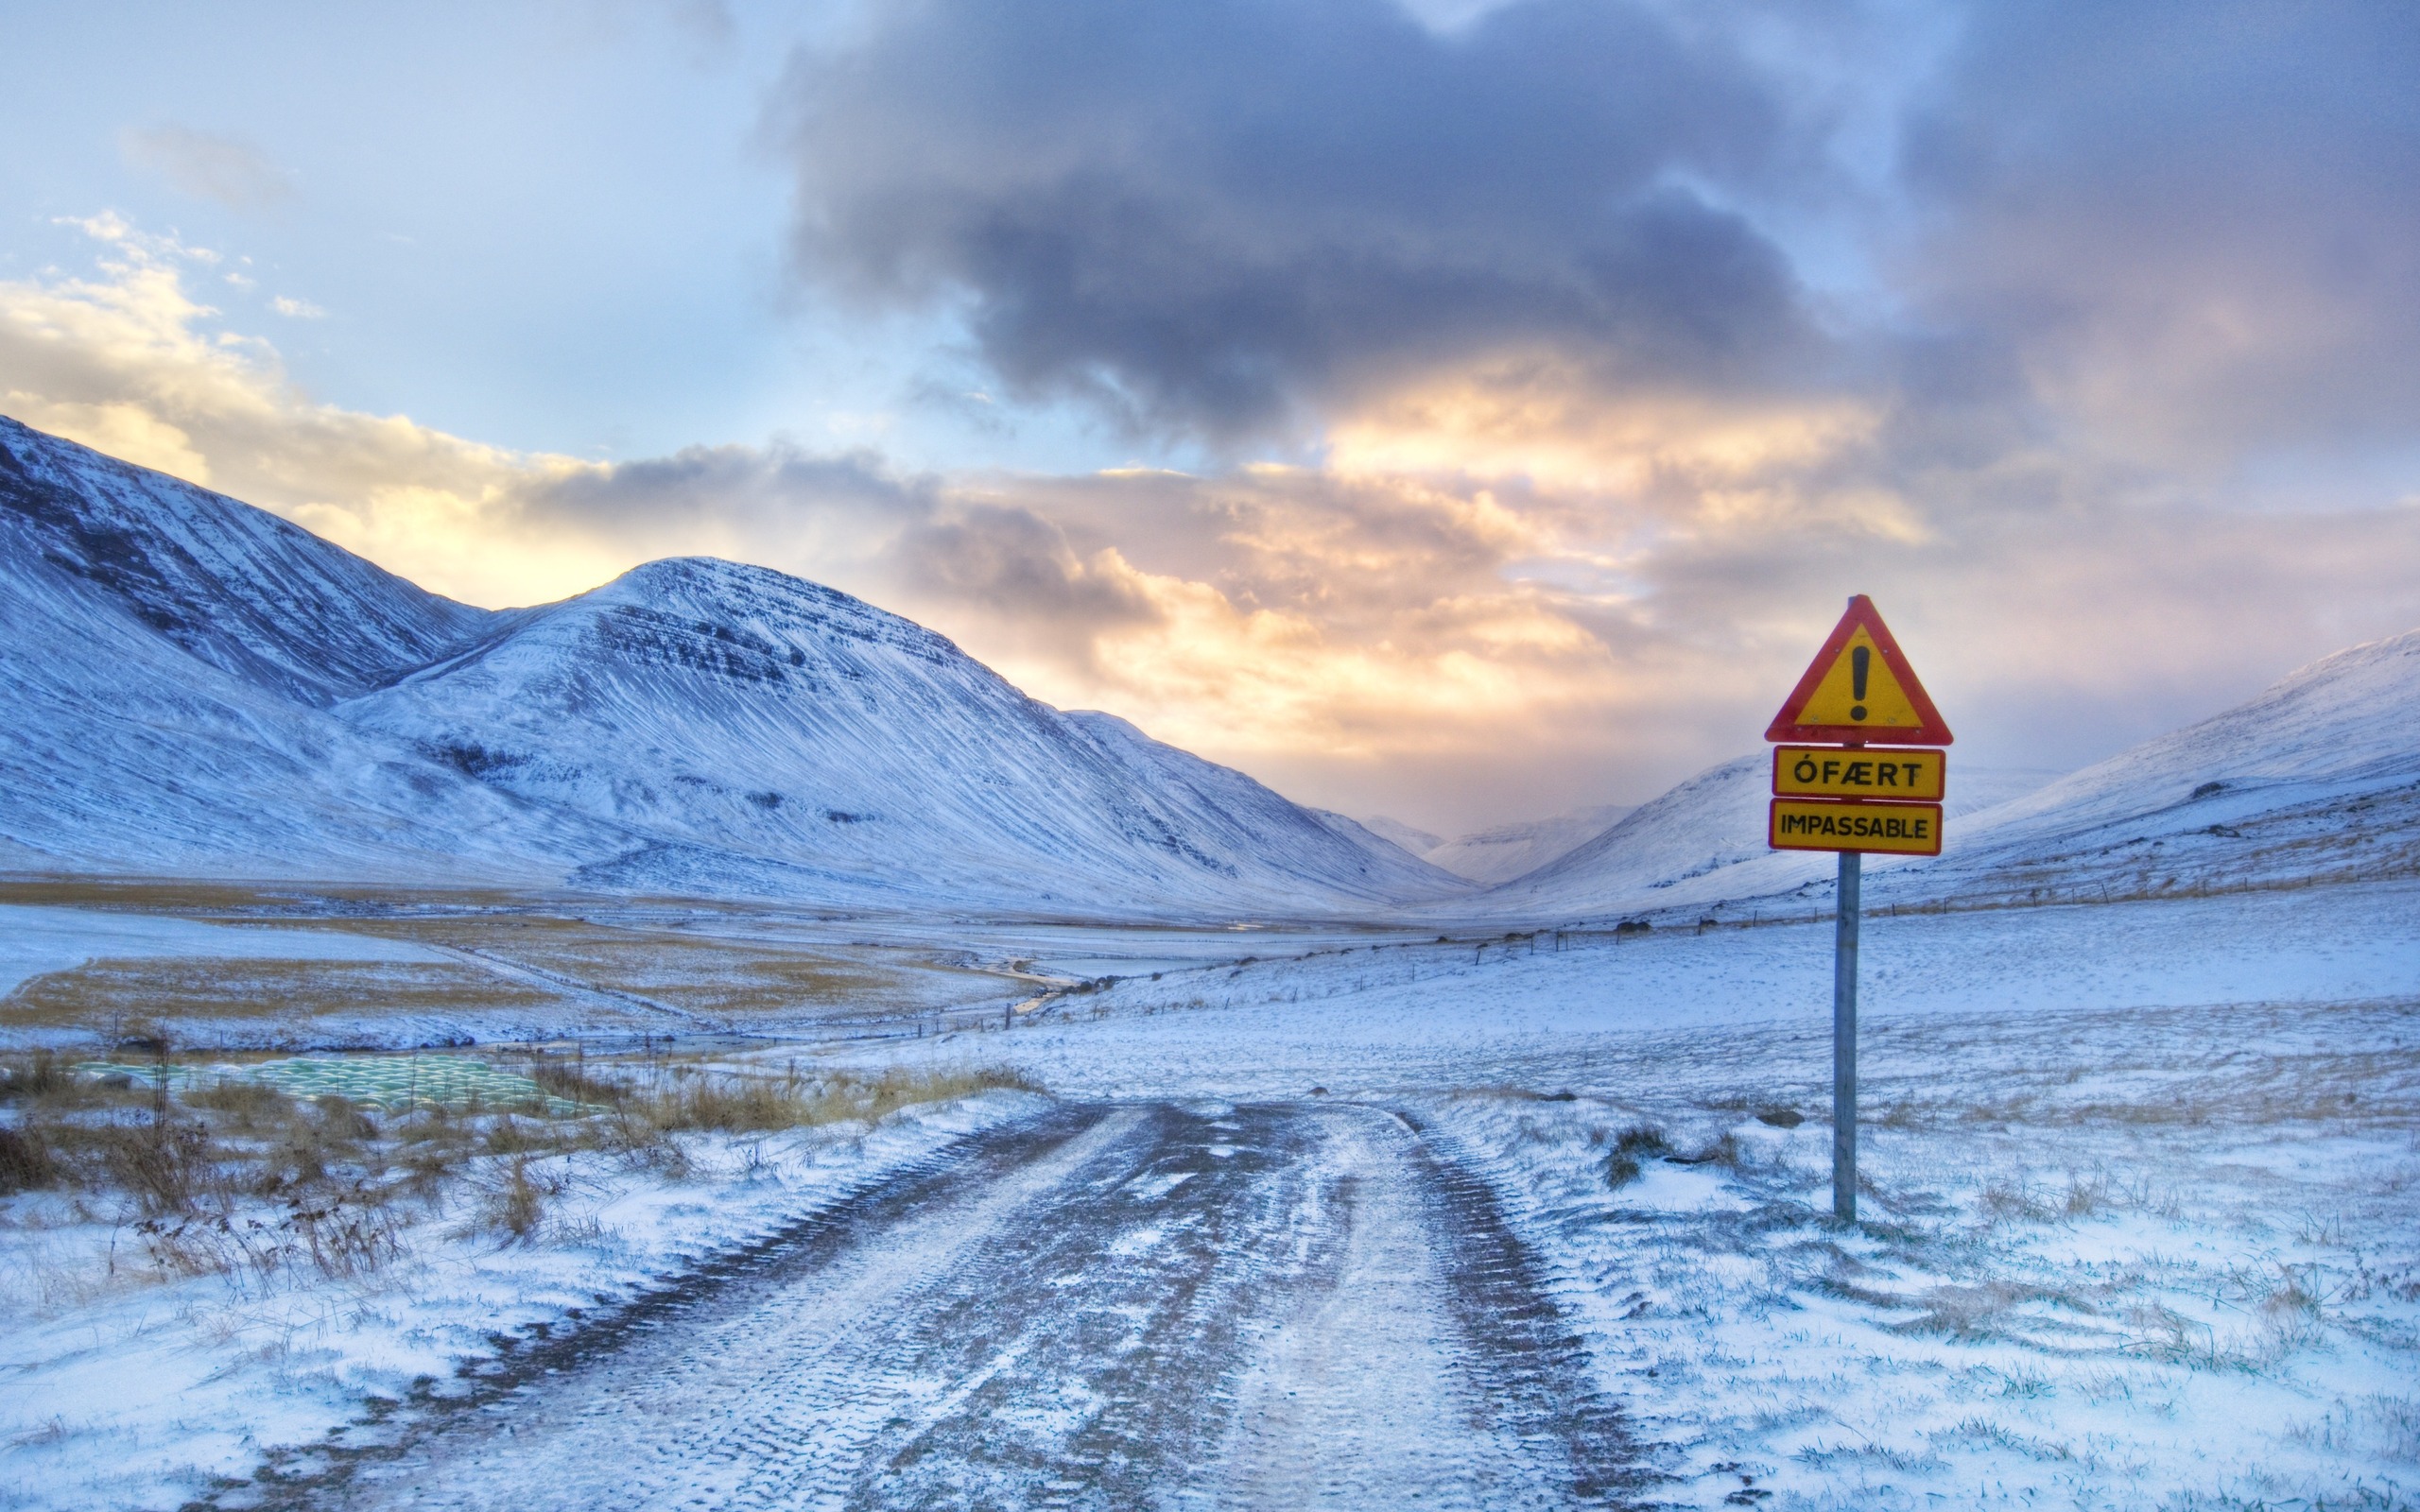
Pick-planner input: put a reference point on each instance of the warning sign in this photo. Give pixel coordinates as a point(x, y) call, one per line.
point(1836, 824)
point(1859, 688)
point(1857, 771)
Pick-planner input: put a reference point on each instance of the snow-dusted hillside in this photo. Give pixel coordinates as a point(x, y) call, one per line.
point(196, 687)
point(741, 718)
point(1512, 850)
point(2318, 778)
point(163, 693)
point(1704, 841)
point(1409, 837)
point(234, 586)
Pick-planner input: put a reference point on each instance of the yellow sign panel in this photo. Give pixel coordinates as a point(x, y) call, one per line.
point(1829, 824)
point(1859, 690)
point(1834, 772)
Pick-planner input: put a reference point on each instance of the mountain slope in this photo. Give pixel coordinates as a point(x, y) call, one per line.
point(2316, 779)
point(2317, 776)
point(1703, 841)
point(1419, 842)
point(164, 700)
point(234, 586)
point(199, 688)
point(715, 706)
point(1338, 852)
point(1512, 850)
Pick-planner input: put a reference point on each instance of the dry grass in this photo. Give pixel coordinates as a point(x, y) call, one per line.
point(241, 1180)
point(122, 999)
point(695, 973)
point(730, 1104)
point(526, 961)
point(1631, 1145)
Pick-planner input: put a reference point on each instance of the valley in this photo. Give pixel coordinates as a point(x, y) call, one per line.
point(711, 1041)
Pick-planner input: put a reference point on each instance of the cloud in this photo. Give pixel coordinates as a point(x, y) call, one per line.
point(1229, 218)
point(205, 165)
point(294, 309)
point(2194, 228)
point(1516, 236)
point(1614, 345)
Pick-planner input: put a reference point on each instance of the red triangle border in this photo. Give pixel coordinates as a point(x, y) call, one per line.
point(1934, 730)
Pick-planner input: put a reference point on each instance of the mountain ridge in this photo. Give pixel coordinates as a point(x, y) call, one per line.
point(695, 723)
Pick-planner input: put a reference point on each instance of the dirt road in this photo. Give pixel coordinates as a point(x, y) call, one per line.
point(1116, 1307)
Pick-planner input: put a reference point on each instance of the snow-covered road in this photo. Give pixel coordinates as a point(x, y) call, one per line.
point(1114, 1306)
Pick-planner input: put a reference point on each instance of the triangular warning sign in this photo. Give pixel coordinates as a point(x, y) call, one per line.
point(1860, 687)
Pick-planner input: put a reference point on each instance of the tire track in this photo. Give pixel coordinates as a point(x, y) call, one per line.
point(1113, 1308)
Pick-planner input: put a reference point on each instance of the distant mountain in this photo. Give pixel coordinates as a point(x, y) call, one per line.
point(1516, 849)
point(1419, 842)
point(2315, 779)
point(197, 687)
point(1703, 841)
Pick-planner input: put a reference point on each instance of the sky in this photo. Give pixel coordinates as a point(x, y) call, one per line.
point(1461, 411)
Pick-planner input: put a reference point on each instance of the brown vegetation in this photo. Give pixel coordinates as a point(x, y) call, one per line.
point(121, 999)
point(237, 1179)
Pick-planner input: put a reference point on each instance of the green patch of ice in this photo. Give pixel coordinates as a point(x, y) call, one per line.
point(391, 1083)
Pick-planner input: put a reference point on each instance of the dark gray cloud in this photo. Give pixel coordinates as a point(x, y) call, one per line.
point(2188, 229)
point(2195, 222)
point(1015, 571)
point(765, 485)
point(1215, 216)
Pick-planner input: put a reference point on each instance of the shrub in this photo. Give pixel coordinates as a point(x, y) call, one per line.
point(25, 1162)
point(39, 1075)
point(248, 1103)
point(1641, 1139)
point(517, 1207)
point(166, 1166)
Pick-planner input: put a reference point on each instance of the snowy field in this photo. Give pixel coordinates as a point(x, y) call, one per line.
point(134, 1383)
point(36, 942)
point(2144, 1220)
point(2142, 1224)
point(286, 972)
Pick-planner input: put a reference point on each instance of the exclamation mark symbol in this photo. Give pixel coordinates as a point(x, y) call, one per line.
point(1860, 662)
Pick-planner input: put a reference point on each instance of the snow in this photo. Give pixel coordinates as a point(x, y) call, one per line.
point(1512, 850)
point(2129, 1241)
point(129, 1393)
point(37, 941)
point(2141, 1051)
point(2141, 1227)
point(198, 689)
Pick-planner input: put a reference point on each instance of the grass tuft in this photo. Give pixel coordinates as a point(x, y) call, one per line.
point(24, 1164)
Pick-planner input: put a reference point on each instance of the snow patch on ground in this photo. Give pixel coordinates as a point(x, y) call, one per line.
point(35, 941)
point(2140, 1229)
point(128, 1392)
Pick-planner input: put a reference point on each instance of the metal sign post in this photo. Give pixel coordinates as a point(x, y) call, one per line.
point(1844, 1037)
point(1852, 798)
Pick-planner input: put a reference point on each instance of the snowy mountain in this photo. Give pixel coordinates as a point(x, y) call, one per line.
point(745, 720)
point(199, 688)
point(1703, 841)
point(2315, 779)
point(1516, 849)
point(166, 704)
point(1418, 841)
